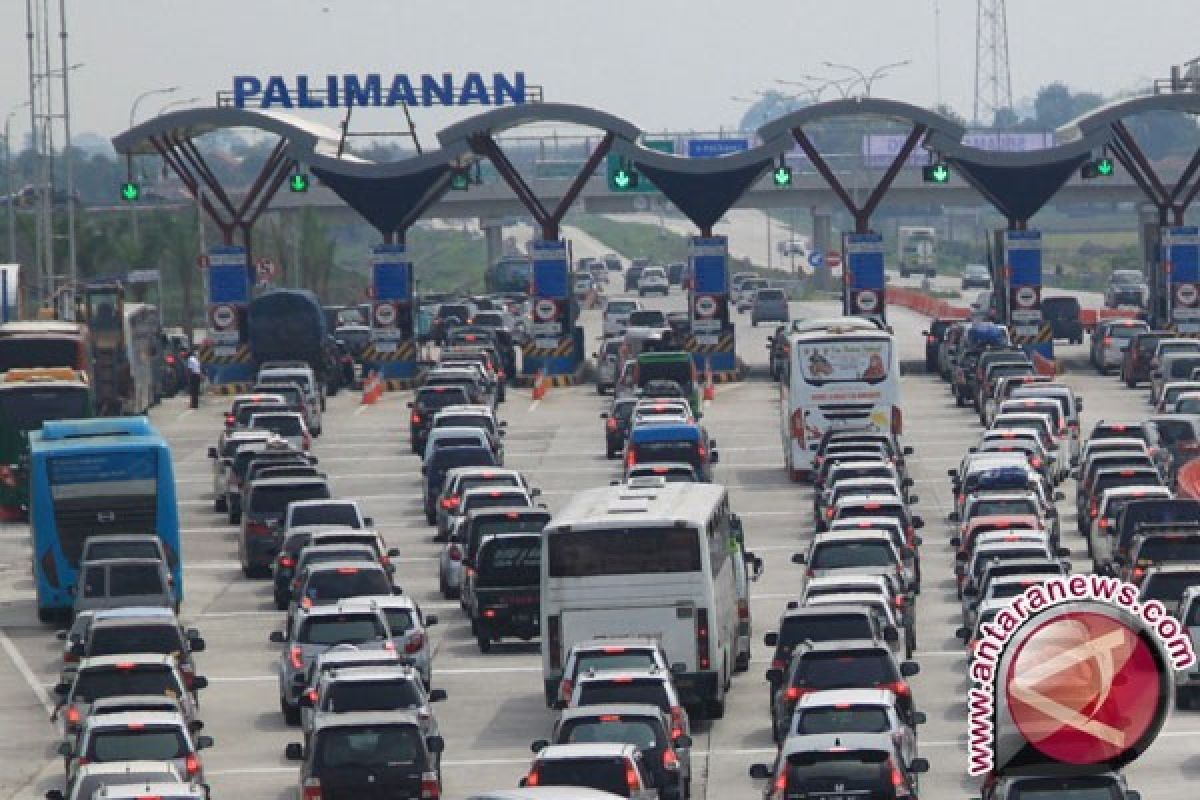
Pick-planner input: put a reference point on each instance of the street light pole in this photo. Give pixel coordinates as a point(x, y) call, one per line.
point(133, 219)
point(8, 184)
point(69, 165)
point(175, 103)
point(868, 80)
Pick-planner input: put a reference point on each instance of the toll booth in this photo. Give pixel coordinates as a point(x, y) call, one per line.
point(864, 293)
point(392, 352)
point(556, 348)
point(1180, 262)
point(711, 343)
point(1021, 290)
point(225, 352)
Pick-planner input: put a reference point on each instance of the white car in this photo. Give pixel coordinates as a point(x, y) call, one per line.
point(616, 315)
point(306, 379)
point(653, 280)
point(287, 425)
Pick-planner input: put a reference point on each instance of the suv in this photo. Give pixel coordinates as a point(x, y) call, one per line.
point(861, 764)
point(265, 504)
point(369, 753)
point(1062, 313)
point(612, 767)
point(314, 390)
point(502, 590)
point(114, 634)
point(137, 736)
point(770, 305)
point(441, 462)
point(598, 655)
point(316, 631)
point(460, 480)
point(427, 401)
point(1126, 287)
point(101, 677)
point(346, 690)
point(1137, 363)
point(976, 276)
point(119, 582)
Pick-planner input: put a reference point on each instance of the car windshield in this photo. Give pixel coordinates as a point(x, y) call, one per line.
point(1076, 788)
point(845, 670)
point(400, 620)
point(367, 746)
point(122, 579)
point(603, 774)
point(331, 630)
point(137, 744)
point(326, 514)
point(847, 719)
point(470, 482)
point(839, 555)
point(282, 424)
point(771, 295)
point(1010, 507)
point(334, 584)
point(380, 695)
point(512, 561)
point(274, 499)
point(465, 421)
point(641, 733)
point(95, 683)
point(437, 397)
point(111, 640)
point(495, 499)
point(98, 548)
point(625, 690)
point(647, 319)
point(824, 628)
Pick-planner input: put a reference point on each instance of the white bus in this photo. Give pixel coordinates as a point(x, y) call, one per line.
point(653, 562)
point(844, 374)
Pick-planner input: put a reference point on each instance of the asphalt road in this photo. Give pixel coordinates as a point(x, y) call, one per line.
point(495, 703)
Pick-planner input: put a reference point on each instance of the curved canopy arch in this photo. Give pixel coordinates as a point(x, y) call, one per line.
point(302, 137)
point(782, 127)
point(502, 119)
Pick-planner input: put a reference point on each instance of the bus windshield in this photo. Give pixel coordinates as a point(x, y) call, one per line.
point(28, 352)
point(25, 408)
point(844, 361)
point(624, 551)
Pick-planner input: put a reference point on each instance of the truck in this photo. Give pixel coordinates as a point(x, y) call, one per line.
point(917, 248)
point(289, 325)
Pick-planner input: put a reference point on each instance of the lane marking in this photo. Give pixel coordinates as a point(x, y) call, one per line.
point(361, 409)
point(186, 413)
point(533, 406)
point(22, 666)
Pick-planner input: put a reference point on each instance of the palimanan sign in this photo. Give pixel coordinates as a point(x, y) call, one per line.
point(375, 90)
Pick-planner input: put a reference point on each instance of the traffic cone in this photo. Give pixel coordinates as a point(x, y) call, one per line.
point(710, 391)
point(539, 384)
point(371, 389)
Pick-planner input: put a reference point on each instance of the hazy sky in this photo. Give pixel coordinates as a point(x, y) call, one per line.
point(662, 64)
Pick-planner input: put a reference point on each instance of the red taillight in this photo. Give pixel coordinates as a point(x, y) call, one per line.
point(73, 716)
point(898, 601)
point(347, 570)
point(1138, 574)
point(170, 359)
point(743, 609)
point(798, 432)
point(1108, 341)
point(307, 441)
point(631, 457)
point(931, 339)
point(677, 721)
point(1035, 462)
point(702, 638)
point(257, 529)
point(311, 694)
point(898, 688)
point(193, 765)
point(793, 693)
point(287, 561)
point(533, 778)
point(312, 789)
point(781, 782)
point(450, 503)
point(430, 790)
point(296, 657)
point(612, 424)
point(829, 512)
point(489, 613)
point(631, 778)
point(416, 418)
point(565, 689)
point(230, 419)
point(670, 760)
point(415, 643)
point(701, 451)
point(897, 420)
point(1103, 523)
point(897, 776)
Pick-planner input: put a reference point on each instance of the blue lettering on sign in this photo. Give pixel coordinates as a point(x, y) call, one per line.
point(367, 91)
point(715, 148)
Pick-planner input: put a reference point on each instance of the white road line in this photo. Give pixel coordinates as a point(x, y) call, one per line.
point(533, 406)
point(22, 667)
point(187, 413)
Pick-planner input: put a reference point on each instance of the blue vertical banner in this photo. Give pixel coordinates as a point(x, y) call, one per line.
point(554, 347)
point(1181, 261)
point(863, 276)
point(1023, 279)
point(393, 352)
point(712, 333)
point(228, 296)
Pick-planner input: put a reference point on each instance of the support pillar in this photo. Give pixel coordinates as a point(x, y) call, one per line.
point(712, 342)
point(392, 353)
point(557, 346)
point(493, 239)
point(1022, 286)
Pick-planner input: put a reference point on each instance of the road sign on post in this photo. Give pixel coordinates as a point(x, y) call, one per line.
point(715, 148)
point(553, 322)
point(865, 294)
point(1181, 250)
point(393, 352)
point(708, 299)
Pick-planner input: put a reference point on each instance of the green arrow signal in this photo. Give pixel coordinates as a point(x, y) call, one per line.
point(621, 179)
point(783, 176)
point(1104, 167)
point(130, 191)
point(941, 174)
point(299, 182)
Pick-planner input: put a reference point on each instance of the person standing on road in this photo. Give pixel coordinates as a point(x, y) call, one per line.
point(195, 377)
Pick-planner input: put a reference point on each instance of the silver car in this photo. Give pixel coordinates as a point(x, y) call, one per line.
point(147, 736)
point(315, 631)
point(306, 379)
point(408, 626)
point(607, 360)
point(222, 458)
point(118, 582)
point(372, 689)
point(770, 305)
point(91, 780)
point(855, 711)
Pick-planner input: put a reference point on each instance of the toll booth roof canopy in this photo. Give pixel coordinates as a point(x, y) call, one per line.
point(860, 106)
point(1099, 120)
point(501, 119)
point(304, 137)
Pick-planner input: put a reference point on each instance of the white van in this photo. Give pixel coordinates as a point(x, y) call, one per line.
point(841, 376)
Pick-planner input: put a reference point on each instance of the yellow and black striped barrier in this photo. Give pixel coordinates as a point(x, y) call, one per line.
point(228, 389)
point(405, 351)
point(725, 344)
point(564, 348)
point(208, 355)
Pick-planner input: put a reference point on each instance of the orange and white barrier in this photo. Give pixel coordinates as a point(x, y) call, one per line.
point(540, 384)
point(710, 391)
point(372, 389)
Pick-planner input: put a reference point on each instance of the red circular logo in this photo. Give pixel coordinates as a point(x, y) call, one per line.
point(1084, 687)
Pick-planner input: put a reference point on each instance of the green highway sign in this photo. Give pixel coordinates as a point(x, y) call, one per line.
point(623, 175)
point(460, 180)
point(130, 192)
point(936, 173)
point(298, 182)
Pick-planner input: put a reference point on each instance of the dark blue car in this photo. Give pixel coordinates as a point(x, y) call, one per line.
point(442, 461)
point(662, 442)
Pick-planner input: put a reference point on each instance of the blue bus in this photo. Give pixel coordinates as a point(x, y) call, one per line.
point(92, 477)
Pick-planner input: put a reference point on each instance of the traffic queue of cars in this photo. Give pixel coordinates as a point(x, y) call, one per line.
point(1008, 530)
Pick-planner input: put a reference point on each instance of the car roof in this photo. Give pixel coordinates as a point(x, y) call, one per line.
point(123, 767)
point(373, 672)
point(381, 601)
point(844, 645)
point(624, 709)
point(619, 641)
point(863, 697)
point(296, 480)
point(352, 719)
point(836, 742)
point(557, 752)
point(137, 659)
point(342, 606)
point(344, 564)
point(128, 718)
point(824, 610)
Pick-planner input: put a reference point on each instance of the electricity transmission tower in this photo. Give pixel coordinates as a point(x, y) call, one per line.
point(993, 79)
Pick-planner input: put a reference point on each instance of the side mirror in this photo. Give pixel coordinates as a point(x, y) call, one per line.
point(909, 483)
point(682, 740)
point(918, 521)
point(890, 634)
point(423, 471)
point(771, 638)
point(1063, 552)
point(712, 443)
point(760, 772)
point(535, 492)
point(521, 784)
point(431, 620)
point(199, 682)
point(952, 516)
point(918, 765)
point(792, 605)
point(962, 634)
point(918, 718)
point(368, 522)
point(908, 451)
point(62, 689)
point(1060, 496)
point(56, 794)
point(956, 541)
point(960, 558)
point(197, 645)
point(212, 452)
point(436, 744)
point(1133, 794)
point(951, 473)
point(909, 668)
point(196, 725)
point(437, 695)
point(774, 675)
point(799, 558)
point(538, 745)
point(970, 591)
point(409, 404)
point(204, 742)
point(295, 751)
point(277, 637)
point(1078, 404)
point(913, 499)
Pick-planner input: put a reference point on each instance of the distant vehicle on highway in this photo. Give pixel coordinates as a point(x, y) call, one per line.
point(917, 250)
point(976, 276)
point(1126, 287)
